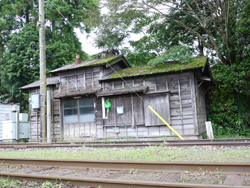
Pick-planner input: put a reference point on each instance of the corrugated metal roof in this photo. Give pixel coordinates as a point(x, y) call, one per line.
point(77, 93)
point(195, 63)
point(93, 62)
point(122, 91)
point(50, 81)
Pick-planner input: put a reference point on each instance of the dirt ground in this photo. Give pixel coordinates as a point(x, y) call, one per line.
point(201, 177)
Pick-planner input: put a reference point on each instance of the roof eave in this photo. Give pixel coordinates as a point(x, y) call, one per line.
point(25, 88)
point(113, 61)
point(105, 79)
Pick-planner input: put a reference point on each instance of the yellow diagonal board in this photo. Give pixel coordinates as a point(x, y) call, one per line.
point(165, 122)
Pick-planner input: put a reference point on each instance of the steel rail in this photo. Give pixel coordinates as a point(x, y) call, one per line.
point(227, 168)
point(118, 145)
point(110, 183)
point(136, 141)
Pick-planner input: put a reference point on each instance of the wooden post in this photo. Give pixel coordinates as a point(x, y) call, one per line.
point(48, 116)
point(43, 89)
point(209, 129)
point(103, 108)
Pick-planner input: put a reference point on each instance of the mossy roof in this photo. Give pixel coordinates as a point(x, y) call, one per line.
point(93, 62)
point(173, 66)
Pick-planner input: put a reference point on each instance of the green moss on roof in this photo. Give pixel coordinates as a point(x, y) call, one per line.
point(100, 61)
point(93, 62)
point(161, 68)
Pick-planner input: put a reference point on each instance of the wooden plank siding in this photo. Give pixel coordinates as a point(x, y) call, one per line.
point(34, 120)
point(79, 80)
point(175, 96)
point(171, 95)
point(201, 108)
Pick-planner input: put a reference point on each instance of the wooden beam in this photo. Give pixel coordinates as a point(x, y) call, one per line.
point(179, 93)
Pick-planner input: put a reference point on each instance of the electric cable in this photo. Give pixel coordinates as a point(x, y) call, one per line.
point(123, 80)
point(102, 58)
point(61, 13)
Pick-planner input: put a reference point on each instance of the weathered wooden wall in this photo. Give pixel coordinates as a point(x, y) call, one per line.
point(34, 120)
point(55, 118)
point(80, 79)
point(201, 108)
point(175, 90)
point(72, 81)
point(175, 97)
point(83, 130)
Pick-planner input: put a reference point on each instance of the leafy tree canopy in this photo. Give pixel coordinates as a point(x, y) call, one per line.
point(19, 51)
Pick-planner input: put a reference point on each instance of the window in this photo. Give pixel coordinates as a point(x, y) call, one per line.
point(79, 111)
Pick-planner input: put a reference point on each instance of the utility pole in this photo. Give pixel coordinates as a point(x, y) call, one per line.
point(43, 89)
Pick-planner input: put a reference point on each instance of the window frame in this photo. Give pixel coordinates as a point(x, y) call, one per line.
point(78, 110)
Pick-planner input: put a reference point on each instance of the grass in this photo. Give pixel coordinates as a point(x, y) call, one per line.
point(7, 182)
point(229, 136)
point(160, 153)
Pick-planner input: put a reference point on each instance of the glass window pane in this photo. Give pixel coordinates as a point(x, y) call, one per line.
point(89, 102)
point(87, 117)
point(72, 111)
point(87, 110)
point(70, 104)
point(70, 119)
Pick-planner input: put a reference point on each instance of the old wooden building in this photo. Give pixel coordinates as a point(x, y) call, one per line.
point(81, 89)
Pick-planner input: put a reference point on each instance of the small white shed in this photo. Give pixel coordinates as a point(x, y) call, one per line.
point(4, 108)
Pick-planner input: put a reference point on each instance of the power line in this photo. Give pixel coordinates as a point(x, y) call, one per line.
point(61, 13)
point(102, 58)
point(123, 80)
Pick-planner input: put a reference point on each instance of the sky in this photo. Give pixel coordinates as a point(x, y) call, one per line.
point(88, 42)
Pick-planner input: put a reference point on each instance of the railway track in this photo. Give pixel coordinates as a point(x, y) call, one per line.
point(106, 183)
point(214, 142)
point(228, 168)
point(124, 165)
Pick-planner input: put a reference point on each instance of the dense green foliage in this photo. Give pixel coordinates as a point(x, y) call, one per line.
point(20, 64)
point(229, 116)
point(19, 45)
point(182, 54)
point(218, 30)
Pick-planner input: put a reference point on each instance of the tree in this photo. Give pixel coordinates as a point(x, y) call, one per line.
point(19, 56)
point(20, 64)
point(220, 27)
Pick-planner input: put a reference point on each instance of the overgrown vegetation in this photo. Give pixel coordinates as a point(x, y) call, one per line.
point(8, 182)
point(219, 30)
point(228, 103)
point(161, 153)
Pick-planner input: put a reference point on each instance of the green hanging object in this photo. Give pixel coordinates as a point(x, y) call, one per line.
point(108, 106)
